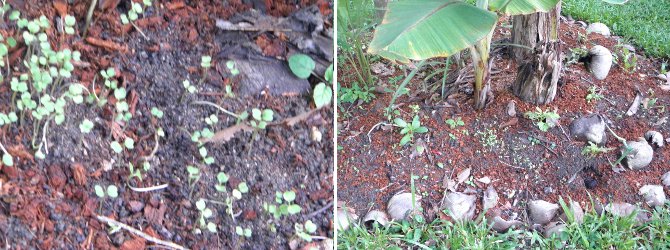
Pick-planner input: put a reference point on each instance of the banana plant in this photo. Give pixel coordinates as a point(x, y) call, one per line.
point(423, 29)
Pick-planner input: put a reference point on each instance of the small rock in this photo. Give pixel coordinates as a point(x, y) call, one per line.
point(653, 195)
point(136, 206)
point(601, 61)
point(316, 134)
point(590, 182)
point(541, 212)
point(599, 28)
point(640, 156)
point(654, 138)
point(589, 128)
point(400, 206)
point(345, 217)
point(666, 179)
point(577, 212)
point(581, 23)
point(461, 206)
point(375, 216)
point(511, 108)
point(499, 224)
point(548, 190)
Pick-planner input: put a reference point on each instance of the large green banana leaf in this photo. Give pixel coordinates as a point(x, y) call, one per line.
point(422, 29)
point(522, 7)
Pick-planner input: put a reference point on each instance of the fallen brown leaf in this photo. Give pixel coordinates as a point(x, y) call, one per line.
point(227, 133)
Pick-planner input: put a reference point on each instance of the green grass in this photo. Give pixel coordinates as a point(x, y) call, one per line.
point(645, 22)
point(603, 231)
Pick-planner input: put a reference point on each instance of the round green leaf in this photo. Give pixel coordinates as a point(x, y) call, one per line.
point(112, 191)
point(7, 160)
point(99, 191)
point(289, 196)
point(200, 205)
point(301, 65)
point(116, 146)
point(323, 94)
point(294, 209)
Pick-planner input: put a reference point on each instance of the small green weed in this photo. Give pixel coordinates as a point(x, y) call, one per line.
point(543, 119)
point(455, 122)
point(594, 94)
point(592, 150)
point(409, 129)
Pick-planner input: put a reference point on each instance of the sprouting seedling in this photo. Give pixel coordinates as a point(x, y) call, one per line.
point(188, 88)
point(134, 13)
point(86, 126)
point(246, 232)
point(305, 231)
point(6, 157)
point(205, 63)
point(205, 159)
point(409, 129)
point(233, 69)
point(222, 179)
point(116, 147)
point(11, 117)
point(193, 177)
point(132, 172)
point(544, 119)
point(285, 202)
point(454, 123)
point(205, 213)
point(157, 112)
point(261, 118)
point(111, 191)
point(69, 24)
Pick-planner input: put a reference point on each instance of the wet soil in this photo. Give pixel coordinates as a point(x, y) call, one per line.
point(371, 170)
point(51, 204)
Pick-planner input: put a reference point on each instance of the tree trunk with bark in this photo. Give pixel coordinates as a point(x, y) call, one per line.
point(540, 66)
point(380, 8)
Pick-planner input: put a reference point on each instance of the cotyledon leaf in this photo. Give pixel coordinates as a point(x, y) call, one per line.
point(522, 7)
point(422, 29)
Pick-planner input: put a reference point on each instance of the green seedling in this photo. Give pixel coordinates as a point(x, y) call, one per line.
point(193, 177)
point(111, 192)
point(355, 93)
point(6, 119)
point(6, 157)
point(409, 129)
point(261, 118)
point(242, 188)
point(70, 21)
point(543, 119)
point(305, 231)
point(208, 160)
point(157, 112)
point(136, 9)
point(415, 108)
point(188, 88)
point(594, 94)
point(116, 147)
point(246, 232)
point(205, 213)
point(593, 150)
point(284, 205)
point(86, 126)
point(301, 65)
point(233, 69)
point(454, 123)
point(628, 60)
point(132, 172)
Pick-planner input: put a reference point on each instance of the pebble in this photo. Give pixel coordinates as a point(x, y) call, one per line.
point(654, 138)
point(590, 183)
point(541, 212)
point(653, 195)
point(548, 190)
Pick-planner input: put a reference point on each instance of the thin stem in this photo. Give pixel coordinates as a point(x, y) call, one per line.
point(89, 15)
point(405, 82)
point(3, 149)
point(216, 106)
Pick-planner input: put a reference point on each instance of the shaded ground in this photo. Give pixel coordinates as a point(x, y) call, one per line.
point(495, 146)
point(51, 203)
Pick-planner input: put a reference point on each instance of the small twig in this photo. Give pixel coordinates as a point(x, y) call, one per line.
point(148, 189)
point(216, 106)
point(375, 126)
point(89, 15)
point(153, 152)
point(321, 210)
point(3, 149)
point(139, 233)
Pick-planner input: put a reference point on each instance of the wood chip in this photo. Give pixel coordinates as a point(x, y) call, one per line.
point(109, 45)
point(635, 105)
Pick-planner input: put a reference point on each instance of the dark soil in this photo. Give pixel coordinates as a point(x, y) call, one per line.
point(51, 204)
point(369, 173)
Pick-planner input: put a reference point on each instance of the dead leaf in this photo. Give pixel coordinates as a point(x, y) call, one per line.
point(634, 106)
point(511, 122)
point(448, 183)
point(79, 174)
point(418, 148)
point(490, 199)
point(292, 121)
point(227, 134)
point(61, 7)
point(463, 175)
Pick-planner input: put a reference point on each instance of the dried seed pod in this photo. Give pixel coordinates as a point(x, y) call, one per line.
point(601, 61)
point(640, 156)
point(654, 138)
point(375, 216)
point(461, 206)
point(400, 206)
point(653, 195)
point(541, 212)
point(345, 217)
